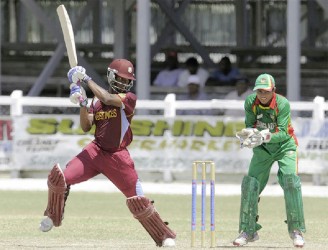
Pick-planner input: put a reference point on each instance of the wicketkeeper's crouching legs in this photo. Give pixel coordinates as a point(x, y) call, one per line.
point(144, 211)
point(57, 195)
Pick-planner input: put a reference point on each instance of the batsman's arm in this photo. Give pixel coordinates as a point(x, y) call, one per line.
point(78, 75)
point(86, 119)
point(103, 95)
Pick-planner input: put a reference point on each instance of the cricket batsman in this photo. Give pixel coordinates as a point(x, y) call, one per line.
point(269, 133)
point(111, 112)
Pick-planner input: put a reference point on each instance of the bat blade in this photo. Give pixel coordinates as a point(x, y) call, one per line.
point(68, 34)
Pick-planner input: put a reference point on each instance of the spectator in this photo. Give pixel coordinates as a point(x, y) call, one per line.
point(240, 93)
point(195, 93)
point(226, 74)
point(192, 68)
point(168, 77)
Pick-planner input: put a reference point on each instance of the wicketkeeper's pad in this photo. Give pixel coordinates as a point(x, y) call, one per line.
point(250, 189)
point(56, 195)
point(144, 211)
point(291, 184)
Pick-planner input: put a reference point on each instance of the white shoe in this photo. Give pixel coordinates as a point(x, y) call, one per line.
point(297, 238)
point(244, 238)
point(46, 224)
point(168, 242)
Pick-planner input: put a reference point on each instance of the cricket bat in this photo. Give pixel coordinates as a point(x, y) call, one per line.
point(68, 34)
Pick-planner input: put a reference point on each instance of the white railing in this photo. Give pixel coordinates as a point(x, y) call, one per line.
point(169, 105)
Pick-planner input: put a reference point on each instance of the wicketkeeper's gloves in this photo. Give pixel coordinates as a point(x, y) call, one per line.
point(252, 137)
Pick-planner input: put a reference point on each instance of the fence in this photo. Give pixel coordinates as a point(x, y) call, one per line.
point(169, 107)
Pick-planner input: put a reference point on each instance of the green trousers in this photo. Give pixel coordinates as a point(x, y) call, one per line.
point(285, 154)
point(265, 155)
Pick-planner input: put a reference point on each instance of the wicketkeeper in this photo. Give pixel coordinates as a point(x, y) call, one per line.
point(111, 112)
point(269, 133)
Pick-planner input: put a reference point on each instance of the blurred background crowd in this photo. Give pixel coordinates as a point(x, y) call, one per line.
point(198, 49)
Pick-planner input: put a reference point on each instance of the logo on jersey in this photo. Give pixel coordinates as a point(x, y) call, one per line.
point(105, 115)
point(263, 125)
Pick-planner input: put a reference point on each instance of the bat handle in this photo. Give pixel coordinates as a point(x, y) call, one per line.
point(81, 98)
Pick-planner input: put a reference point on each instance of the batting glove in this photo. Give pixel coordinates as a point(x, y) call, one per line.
point(78, 95)
point(78, 75)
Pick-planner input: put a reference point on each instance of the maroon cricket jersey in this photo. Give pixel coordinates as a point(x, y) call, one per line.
point(113, 131)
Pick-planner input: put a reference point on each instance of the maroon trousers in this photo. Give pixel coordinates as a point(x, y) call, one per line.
point(117, 166)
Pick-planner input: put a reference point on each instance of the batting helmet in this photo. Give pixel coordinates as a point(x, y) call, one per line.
point(121, 68)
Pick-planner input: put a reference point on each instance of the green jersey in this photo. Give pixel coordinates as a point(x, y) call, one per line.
point(276, 117)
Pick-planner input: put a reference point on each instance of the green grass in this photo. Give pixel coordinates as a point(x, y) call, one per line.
point(102, 221)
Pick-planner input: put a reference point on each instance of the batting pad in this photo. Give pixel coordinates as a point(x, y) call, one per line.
point(56, 195)
point(144, 211)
